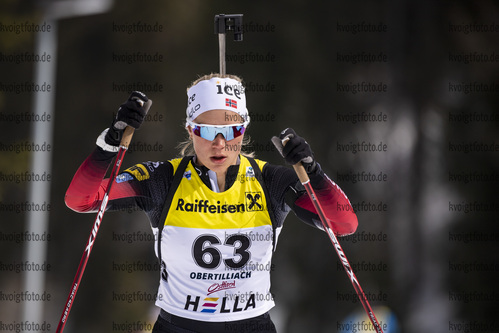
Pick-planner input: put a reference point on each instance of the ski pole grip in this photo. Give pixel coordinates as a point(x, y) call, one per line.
point(298, 167)
point(128, 133)
point(127, 137)
point(301, 173)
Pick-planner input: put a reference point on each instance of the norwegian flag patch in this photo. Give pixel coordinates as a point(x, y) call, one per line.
point(230, 102)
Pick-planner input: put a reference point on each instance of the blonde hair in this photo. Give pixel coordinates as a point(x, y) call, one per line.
point(186, 147)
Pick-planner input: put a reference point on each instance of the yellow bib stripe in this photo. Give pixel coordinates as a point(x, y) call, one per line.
point(243, 205)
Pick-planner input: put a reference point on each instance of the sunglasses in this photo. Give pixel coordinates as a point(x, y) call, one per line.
point(210, 132)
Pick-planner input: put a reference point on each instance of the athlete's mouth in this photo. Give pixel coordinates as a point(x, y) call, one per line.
point(218, 158)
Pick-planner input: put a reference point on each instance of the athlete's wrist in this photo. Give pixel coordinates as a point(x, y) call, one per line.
point(105, 144)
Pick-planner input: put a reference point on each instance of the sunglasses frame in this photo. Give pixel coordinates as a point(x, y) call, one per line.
point(223, 129)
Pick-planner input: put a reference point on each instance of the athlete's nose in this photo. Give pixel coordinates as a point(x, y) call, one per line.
point(219, 141)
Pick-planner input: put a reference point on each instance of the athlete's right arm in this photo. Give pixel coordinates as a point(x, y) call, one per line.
point(88, 186)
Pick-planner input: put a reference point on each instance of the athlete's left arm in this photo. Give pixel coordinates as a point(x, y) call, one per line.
point(337, 208)
point(339, 213)
point(287, 192)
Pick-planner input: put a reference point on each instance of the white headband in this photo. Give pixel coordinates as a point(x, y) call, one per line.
point(216, 94)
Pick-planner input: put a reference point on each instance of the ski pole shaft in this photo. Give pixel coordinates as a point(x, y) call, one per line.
point(90, 243)
point(305, 180)
point(125, 142)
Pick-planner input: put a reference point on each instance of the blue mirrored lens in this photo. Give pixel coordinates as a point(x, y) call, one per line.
point(211, 132)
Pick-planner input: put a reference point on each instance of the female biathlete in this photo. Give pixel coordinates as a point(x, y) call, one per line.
point(216, 211)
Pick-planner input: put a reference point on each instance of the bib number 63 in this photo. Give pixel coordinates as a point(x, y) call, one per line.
point(207, 255)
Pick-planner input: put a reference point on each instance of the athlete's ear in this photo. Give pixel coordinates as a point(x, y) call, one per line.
point(189, 130)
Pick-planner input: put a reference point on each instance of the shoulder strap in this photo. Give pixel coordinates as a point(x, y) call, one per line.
point(177, 178)
point(259, 177)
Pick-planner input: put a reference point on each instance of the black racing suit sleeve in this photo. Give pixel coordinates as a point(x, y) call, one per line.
point(287, 193)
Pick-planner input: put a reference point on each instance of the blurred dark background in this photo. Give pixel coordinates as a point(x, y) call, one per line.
point(398, 99)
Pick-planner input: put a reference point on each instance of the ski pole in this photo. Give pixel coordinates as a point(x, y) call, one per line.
point(305, 180)
point(125, 142)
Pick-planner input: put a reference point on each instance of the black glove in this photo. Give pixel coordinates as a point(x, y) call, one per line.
point(295, 149)
point(131, 113)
